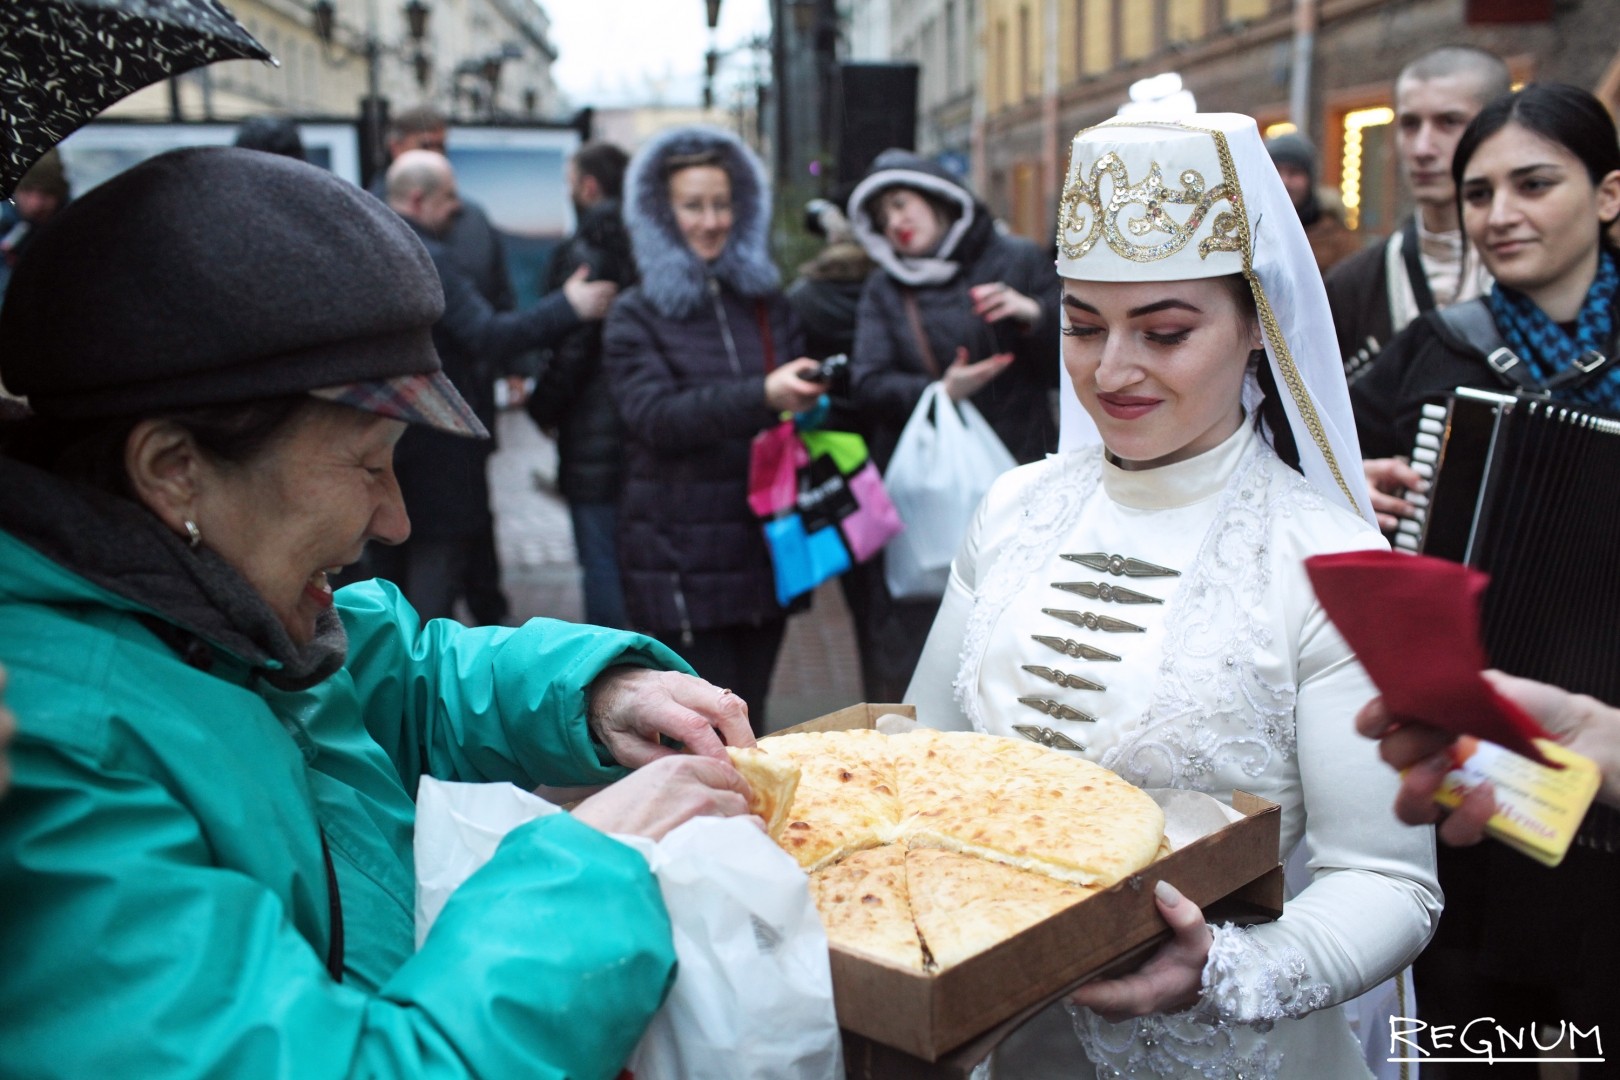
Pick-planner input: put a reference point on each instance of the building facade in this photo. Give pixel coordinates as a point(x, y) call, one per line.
point(478, 60)
point(1052, 67)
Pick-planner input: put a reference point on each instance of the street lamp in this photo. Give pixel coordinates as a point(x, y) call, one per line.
point(374, 108)
point(416, 17)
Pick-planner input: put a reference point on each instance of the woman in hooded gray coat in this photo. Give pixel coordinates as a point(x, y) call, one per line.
point(952, 299)
point(702, 355)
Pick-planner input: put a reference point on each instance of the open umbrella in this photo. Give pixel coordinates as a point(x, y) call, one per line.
point(63, 61)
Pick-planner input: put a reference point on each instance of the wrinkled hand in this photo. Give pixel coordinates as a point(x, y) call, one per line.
point(997, 301)
point(589, 299)
point(1173, 977)
point(669, 792)
point(785, 391)
point(1386, 479)
point(630, 707)
point(8, 727)
point(964, 378)
point(1583, 724)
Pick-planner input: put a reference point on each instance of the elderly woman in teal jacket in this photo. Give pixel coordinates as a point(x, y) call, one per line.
point(205, 857)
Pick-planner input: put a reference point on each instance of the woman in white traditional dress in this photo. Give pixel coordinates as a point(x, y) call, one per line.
point(1144, 603)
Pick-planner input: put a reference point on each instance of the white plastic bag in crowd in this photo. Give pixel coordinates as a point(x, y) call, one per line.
point(945, 461)
point(753, 990)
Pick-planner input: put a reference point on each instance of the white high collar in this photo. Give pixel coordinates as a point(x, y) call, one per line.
point(1181, 483)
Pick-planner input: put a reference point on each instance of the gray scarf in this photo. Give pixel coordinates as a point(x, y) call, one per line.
point(198, 598)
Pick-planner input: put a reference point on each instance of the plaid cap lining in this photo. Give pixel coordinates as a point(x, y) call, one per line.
point(431, 400)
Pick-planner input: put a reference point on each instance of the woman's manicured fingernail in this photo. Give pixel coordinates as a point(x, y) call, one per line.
point(1168, 893)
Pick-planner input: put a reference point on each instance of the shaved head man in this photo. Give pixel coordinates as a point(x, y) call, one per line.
point(422, 188)
point(1375, 293)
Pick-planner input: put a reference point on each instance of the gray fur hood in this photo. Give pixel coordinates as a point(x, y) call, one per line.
point(672, 277)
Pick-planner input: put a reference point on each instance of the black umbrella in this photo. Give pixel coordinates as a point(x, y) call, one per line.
point(63, 61)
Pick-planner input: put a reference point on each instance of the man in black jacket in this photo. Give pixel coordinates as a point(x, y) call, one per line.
point(444, 479)
point(1376, 293)
point(572, 394)
point(475, 246)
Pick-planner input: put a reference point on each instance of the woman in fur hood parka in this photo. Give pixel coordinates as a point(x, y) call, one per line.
point(702, 355)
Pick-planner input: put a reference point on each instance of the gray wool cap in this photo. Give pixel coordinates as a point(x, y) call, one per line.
point(213, 276)
point(1294, 149)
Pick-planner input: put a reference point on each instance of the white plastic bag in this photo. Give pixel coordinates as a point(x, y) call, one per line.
point(753, 990)
point(945, 461)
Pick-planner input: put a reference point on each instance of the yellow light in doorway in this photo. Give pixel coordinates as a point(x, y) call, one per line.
point(1350, 172)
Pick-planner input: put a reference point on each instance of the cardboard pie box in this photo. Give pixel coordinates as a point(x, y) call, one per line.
point(1232, 872)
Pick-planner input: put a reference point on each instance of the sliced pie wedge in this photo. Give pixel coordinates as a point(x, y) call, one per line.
point(771, 781)
point(864, 906)
point(963, 905)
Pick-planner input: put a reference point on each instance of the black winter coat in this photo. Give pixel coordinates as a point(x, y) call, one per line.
point(572, 393)
point(691, 553)
point(888, 373)
point(441, 476)
point(1423, 365)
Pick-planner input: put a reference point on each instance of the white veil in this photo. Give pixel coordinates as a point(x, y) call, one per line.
point(1225, 211)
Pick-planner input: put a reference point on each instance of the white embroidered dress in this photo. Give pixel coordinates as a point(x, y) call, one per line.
point(1238, 681)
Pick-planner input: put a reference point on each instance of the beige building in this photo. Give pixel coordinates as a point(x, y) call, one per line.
point(477, 59)
point(1052, 67)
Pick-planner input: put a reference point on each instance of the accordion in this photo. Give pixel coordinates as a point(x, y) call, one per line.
point(1527, 490)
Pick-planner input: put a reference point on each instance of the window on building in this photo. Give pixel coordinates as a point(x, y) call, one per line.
point(1026, 46)
point(1026, 200)
point(1136, 30)
point(953, 59)
point(1367, 168)
point(1001, 76)
point(1068, 59)
point(1184, 20)
point(1247, 10)
point(1096, 36)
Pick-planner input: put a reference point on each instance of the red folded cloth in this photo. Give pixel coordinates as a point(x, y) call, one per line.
point(1413, 622)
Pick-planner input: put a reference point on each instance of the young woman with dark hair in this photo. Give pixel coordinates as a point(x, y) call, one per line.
point(1538, 184)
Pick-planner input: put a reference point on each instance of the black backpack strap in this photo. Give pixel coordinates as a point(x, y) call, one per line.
point(1415, 274)
point(1471, 324)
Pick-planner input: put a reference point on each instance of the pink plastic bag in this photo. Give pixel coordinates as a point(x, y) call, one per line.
point(774, 461)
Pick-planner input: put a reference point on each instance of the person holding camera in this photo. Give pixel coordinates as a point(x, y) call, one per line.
point(956, 300)
point(701, 355)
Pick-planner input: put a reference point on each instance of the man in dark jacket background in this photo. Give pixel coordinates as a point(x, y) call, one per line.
point(443, 478)
point(572, 394)
point(475, 246)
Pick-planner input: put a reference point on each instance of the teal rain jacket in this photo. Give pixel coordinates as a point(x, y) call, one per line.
point(163, 897)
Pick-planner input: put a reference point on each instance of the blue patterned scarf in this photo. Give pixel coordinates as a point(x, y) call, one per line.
point(1547, 350)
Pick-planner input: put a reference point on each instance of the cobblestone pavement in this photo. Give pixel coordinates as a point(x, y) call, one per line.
point(819, 670)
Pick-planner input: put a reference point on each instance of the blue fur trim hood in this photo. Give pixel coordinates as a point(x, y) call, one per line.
point(672, 277)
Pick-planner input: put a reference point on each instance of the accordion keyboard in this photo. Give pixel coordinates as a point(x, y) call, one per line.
point(1425, 459)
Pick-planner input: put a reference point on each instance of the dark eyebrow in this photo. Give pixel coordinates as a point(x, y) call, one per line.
point(1171, 304)
point(1517, 174)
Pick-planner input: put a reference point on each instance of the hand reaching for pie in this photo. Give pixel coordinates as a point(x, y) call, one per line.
point(1173, 977)
point(630, 708)
point(669, 792)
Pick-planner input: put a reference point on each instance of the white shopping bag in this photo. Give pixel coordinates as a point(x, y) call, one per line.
point(753, 990)
point(945, 461)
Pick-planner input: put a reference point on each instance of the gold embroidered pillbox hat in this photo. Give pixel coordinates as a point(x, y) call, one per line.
point(1199, 197)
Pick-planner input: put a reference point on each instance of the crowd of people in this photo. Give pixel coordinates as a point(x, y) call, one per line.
point(216, 748)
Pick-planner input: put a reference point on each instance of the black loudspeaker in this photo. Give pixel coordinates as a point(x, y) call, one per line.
point(877, 110)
